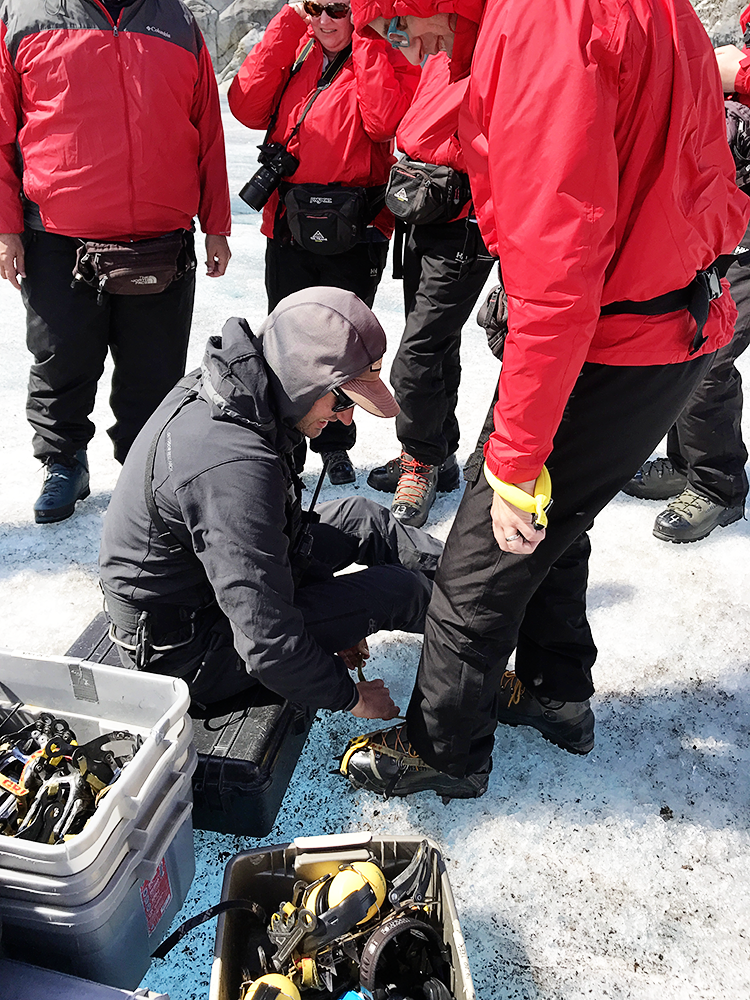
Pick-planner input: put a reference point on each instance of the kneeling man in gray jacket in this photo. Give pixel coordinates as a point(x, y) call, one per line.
point(211, 570)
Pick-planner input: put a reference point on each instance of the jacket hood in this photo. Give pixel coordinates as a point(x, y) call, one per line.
point(313, 341)
point(469, 15)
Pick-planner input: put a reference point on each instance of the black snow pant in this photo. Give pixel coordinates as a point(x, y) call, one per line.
point(69, 334)
point(487, 602)
point(290, 268)
point(705, 443)
point(393, 592)
point(445, 268)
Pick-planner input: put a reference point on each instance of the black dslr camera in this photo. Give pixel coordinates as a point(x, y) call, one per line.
point(276, 162)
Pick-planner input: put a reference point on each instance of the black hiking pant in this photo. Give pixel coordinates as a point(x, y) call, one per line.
point(445, 268)
point(487, 602)
point(705, 444)
point(393, 592)
point(290, 268)
point(69, 334)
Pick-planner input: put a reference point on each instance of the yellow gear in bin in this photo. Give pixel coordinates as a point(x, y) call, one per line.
point(285, 986)
point(347, 880)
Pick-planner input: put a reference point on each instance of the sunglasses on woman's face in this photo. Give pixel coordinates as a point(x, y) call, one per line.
point(342, 401)
point(334, 10)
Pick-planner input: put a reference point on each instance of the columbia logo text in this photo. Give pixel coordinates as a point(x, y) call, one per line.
point(158, 31)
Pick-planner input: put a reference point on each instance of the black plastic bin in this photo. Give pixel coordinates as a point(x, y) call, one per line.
point(247, 749)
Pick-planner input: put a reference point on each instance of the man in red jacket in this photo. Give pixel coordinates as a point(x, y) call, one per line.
point(603, 182)
point(110, 130)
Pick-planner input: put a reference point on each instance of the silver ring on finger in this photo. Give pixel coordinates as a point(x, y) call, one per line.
point(513, 538)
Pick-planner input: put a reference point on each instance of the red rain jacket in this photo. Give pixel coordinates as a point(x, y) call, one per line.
point(742, 80)
point(600, 172)
point(347, 135)
point(119, 128)
point(429, 129)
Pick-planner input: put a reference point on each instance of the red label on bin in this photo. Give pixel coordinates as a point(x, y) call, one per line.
point(156, 895)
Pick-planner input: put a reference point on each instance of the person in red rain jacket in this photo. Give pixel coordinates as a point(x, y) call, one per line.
point(110, 129)
point(603, 181)
point(346, 137)
point(703, 474)
point(445, 268)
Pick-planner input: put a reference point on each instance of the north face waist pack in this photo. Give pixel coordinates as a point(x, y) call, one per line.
point(143, 267)
point(420, 193)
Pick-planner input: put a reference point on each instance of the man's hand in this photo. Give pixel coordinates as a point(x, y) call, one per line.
point(217, 255)
point(355, 656)
point(12, 258)
point(375, 701)
point(508, 522)
point(729, 58)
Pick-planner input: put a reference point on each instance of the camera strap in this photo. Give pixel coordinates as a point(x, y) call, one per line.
point(326, 79)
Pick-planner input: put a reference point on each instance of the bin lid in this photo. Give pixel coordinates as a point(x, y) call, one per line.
point(27, 982)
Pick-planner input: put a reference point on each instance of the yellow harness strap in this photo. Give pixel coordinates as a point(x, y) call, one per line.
point(536, 504)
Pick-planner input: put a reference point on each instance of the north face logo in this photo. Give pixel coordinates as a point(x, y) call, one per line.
point(401, 195)
point(145, 279)
point(318, 237)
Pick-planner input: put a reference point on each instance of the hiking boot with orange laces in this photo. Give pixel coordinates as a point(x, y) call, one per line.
point(415, 493)
point(567, 724)
point(385, 477)
point(385, 762)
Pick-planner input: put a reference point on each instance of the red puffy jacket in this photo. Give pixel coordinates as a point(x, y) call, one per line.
point(347, 135)
point(118, 127)
point(600, 173)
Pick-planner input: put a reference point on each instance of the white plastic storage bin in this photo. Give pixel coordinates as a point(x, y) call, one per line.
point(267, 876)
point(94, 699)
point(169, 788)
point(110, 939)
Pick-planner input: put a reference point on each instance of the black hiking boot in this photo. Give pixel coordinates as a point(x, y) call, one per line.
point(567, 724)
point(385, 762)
point(66, 481)
point(691, 516)
point(385, 477)
point(656, 480)
point(340, 468)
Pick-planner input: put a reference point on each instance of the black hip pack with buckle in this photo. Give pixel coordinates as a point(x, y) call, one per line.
point(330, 218)
point(141, 267)
point(695, 297)
point(421, 193)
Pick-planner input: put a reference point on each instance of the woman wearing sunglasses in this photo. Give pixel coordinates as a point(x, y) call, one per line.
point(345, 138)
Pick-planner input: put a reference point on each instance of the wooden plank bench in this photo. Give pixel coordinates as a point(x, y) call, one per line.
point(247, 751)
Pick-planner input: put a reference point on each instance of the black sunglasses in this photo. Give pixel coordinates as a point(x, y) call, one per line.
point(342, 401)
point(334, 10)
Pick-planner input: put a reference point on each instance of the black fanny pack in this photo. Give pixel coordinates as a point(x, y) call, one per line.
point(420, 193)
point(330, 218)
point(143, 267)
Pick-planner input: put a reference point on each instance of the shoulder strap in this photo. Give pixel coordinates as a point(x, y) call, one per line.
point(164, 534)
point(328, 76)
point(295, 68)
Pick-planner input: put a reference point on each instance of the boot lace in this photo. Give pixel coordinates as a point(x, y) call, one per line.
point(509, 680)
point(690, 503)
point(659, 468)
point(414, 481)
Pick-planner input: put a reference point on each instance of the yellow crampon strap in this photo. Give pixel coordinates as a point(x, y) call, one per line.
point(310, 978)
point(358, 743)
point(536, 504)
